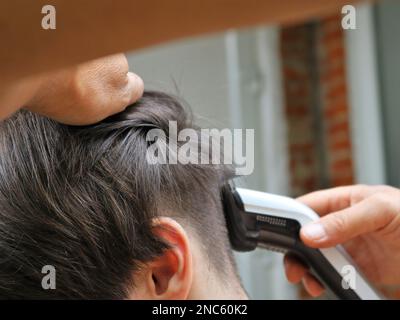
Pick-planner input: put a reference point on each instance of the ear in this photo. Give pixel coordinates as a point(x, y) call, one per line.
point(168, 276)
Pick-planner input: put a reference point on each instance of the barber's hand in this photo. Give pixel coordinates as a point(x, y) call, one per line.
point(365, 220)
point(87, 93)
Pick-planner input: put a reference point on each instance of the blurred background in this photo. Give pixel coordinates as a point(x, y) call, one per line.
point(324, 103)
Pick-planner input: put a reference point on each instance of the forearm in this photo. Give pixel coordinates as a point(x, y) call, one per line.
point(92, 28)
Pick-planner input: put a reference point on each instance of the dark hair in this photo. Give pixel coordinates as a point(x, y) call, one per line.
point(82, 199)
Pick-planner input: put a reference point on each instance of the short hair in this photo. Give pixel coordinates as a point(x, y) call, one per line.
point(83, 199)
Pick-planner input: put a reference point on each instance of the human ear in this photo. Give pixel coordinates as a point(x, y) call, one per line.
point(168, 276)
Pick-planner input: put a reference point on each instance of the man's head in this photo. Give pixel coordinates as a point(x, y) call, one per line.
point(87, 201)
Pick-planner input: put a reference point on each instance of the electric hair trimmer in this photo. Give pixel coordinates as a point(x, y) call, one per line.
point(258, 219)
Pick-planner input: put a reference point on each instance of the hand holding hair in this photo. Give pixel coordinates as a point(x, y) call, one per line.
point(78, 95)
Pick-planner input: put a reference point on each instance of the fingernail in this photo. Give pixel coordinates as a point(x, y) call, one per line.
point(314, 231)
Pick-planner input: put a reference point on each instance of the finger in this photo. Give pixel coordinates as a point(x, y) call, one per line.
point(335, 199)
point(312, 285)
point(294, 269)
point(135, 87)
point(367, 216)
point(121, 97)
point(113, 86)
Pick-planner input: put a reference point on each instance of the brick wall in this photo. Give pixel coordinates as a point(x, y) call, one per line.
point(334, 100)
point(298, 86)
point(317, 109)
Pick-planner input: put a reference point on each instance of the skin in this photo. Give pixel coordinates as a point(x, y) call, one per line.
point(88, 92)
point(366, 221)
point(82, 35)
point(35, 57)
point(79, 95)
point(182, 272)
point(55, 83)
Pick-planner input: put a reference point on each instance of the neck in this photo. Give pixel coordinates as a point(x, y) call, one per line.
point(212, 288)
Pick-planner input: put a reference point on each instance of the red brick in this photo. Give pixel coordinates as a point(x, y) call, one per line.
point(342, 165)
point(309, 184)
point(337, 182)
point(333, 74)
point(298, 112)
point(338, 90)
point(307, 147)
point(335, 54)
point(338, 127)
point(340, 145)
point(299, 90)
point(332, 36)
point(336, 109)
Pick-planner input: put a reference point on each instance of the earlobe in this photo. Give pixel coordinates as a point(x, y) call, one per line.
point(170, 275)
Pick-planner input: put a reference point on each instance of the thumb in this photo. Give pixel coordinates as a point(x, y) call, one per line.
point(369, 215)
point(135, 87)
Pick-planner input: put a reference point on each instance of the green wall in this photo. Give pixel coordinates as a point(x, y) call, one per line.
point(388, 44)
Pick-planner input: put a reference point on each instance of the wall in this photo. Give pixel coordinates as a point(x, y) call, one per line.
point(317, 106)
point(335, 101)
point(388, 44)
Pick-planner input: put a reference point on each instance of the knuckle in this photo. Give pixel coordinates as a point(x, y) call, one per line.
point(387, 204)
point(87, 101)
point(358, 193)
point(338, 224)
point(381, 199)
point(79, 86)
point(120, 68)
